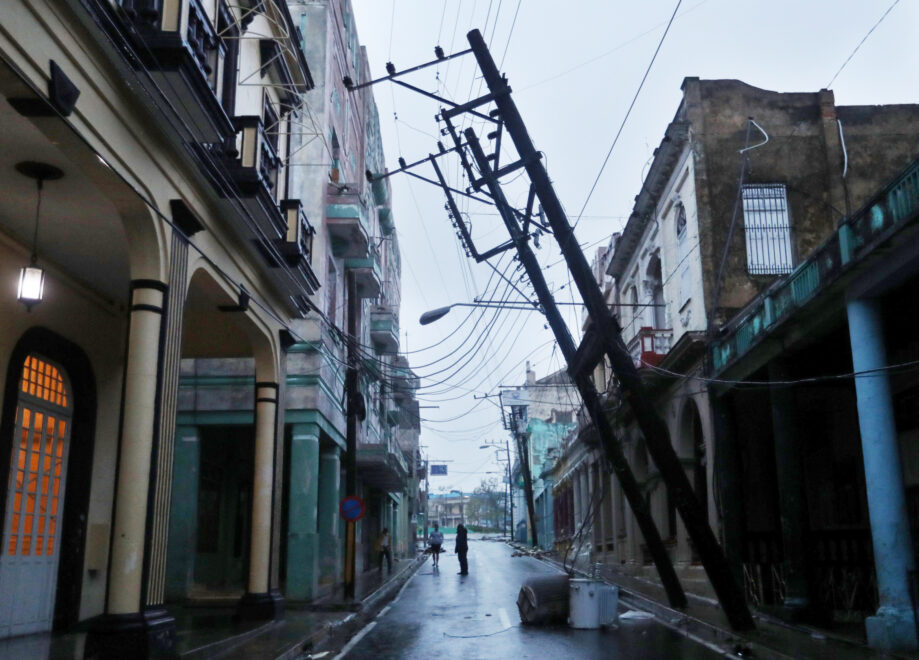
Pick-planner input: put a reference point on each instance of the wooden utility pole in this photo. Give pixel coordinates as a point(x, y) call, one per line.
point(602, 336)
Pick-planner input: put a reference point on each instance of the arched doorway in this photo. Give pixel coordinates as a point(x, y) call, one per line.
point(32, 528)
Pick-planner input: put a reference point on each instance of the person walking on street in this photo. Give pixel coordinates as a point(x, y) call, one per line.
point(436, 540)
point(462, 547)
point(384, 549)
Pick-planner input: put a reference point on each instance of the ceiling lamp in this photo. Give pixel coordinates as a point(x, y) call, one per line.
point(32, 277)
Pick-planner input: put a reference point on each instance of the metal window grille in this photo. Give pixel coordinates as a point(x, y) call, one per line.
point(767, 228)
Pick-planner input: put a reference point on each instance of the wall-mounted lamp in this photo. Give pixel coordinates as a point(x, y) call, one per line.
point(32, 277)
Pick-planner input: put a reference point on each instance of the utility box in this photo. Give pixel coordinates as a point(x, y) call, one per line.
point(592, 604)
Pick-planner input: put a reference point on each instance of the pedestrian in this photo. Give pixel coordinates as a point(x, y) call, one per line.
point(462, 547)
point(436, 540)
point(384, 549)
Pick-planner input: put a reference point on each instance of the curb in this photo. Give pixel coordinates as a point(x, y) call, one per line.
point(335, 634)
point(728, 643)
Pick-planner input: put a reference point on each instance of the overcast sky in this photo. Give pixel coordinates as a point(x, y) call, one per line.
point(574, 68)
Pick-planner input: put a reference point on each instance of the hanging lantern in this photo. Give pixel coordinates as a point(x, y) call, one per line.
point(32, 277)
point(31, 285)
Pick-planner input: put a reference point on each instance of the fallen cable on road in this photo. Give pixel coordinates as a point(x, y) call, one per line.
point(491, 634)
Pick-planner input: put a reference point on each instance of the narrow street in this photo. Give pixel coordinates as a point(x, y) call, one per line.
point(441, 614)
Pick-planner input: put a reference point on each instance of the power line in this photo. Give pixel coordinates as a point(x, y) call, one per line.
point(628, 112)
point(852, 54)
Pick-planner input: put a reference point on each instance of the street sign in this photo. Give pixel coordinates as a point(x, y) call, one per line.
point(352, 508)
point(438, 470)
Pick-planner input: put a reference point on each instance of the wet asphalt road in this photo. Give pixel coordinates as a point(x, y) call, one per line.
point(443, 615)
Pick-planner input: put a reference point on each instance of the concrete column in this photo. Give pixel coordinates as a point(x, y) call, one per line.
point(259, 602)
point(329, 497)
point(132, 491)
point(303, 513)
point(576, 493)
point(127, 630)
point(792, 498)
point(893, 626)
point(591, 509)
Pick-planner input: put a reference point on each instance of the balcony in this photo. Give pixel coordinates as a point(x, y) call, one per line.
point(387, 226)
point(649, 346)
point(856, 241)
point(380, 462)
point(367, 272)
point(295, 249)
point(404, 382)
point(346, 220)
point(254, 177)
point(190, 58)
point(384, 329)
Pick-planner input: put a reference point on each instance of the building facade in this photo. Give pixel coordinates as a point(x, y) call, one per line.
point(745, 184)
point(190, 178)
point(540, 414)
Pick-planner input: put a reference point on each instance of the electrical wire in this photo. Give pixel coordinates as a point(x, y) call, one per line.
point(627, 113)
point(852, 54)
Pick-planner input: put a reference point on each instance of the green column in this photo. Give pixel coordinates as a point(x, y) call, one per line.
point(183, 514)
point(303, 507)
point(330, 556)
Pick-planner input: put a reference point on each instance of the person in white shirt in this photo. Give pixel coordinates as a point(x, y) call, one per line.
point(436, 540)
point(384, 550)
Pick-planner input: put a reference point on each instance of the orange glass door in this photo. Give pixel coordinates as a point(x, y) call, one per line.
point(35, 500)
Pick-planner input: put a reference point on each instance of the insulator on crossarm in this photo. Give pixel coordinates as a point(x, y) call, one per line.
point(439, 52)
point(402, 162)
point(391, 68)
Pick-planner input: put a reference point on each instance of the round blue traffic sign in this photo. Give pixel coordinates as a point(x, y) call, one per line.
point(352, 508)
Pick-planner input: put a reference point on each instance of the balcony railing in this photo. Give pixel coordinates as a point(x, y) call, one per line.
point(368, 274)
point(381, 462)
point(384, 328)
point(254, 175)
point(191, 58)
point(891, 209)
point(649, 346)
point(297, 244)
point(347, 221)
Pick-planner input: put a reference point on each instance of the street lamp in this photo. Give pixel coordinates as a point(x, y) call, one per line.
point(514, 305)
point(440, 312)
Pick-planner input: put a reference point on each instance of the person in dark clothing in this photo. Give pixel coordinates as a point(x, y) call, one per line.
point(462, 547)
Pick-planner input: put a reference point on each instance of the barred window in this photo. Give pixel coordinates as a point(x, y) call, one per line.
point(768, 229)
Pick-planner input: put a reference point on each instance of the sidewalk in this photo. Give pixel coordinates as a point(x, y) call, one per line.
point(704, 621)
point(307, 625)
point(208, 632)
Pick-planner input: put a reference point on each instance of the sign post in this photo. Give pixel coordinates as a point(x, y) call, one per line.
point(352, 509)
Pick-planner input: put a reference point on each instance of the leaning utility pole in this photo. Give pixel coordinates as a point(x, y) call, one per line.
point(603, 336)
point(517, 418)
point(582, 379)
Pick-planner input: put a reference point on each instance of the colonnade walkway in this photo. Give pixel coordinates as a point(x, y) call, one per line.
point(206, 631)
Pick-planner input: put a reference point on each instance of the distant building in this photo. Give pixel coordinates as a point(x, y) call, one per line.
point(546, 410)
